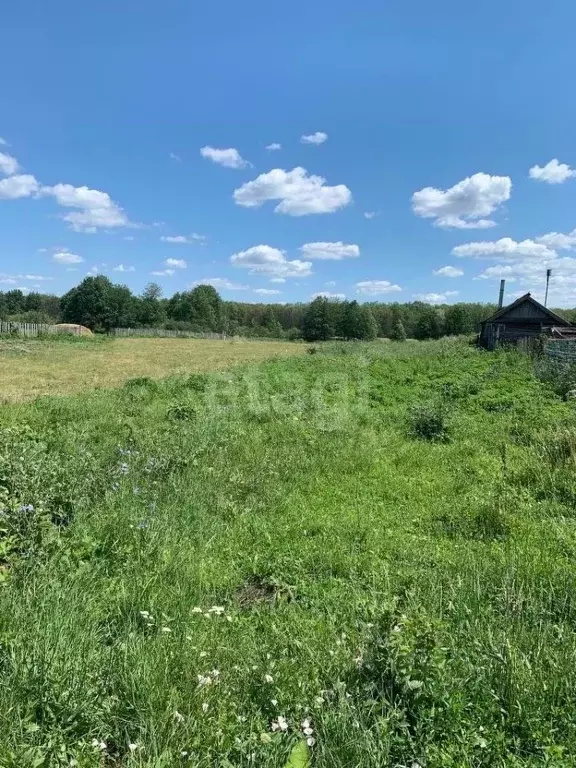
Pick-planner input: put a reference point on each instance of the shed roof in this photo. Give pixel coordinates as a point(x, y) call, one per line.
point(501, 313)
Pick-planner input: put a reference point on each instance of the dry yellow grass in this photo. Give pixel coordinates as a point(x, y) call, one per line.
point(29, 369)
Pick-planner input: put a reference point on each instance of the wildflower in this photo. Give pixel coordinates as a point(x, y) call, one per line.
point(142, 524)
point(26, 508)
point(124, 469)
point(274, 702)
point(196, 609)
point(178, 717)
point(166, 629)
point(133, 747)
point(217, 609)
point(281, 724)
point(98, 744)
point(183, 753)
point(268, 678)
point(310, 741)
point(204, 680)
point(215, 673)
point(203, 654)
point(319, 700)
point(205, 706)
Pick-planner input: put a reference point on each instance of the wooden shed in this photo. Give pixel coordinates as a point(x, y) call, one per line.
point(525, 318)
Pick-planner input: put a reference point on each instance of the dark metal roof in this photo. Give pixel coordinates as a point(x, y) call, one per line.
point(526, 297)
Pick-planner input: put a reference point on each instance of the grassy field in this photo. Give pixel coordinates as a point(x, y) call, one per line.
point(370, 549)
point(32, 368)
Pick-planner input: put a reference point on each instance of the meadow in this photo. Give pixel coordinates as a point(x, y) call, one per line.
point(64, 365)
point(364, 554)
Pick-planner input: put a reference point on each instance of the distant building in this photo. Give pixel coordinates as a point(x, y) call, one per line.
point(525, 318)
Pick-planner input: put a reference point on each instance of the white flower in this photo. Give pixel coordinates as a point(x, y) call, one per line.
point(268, 678)
point(145, 615)
point(307, 729)
point(205, 706)
point(202, 654)
point(133, 747)
point(310, 741)
point(166, 629)
point(178, 717)
point(196, 609)
point(217, 609)
point(274, 702)
point(183, 753)
point(204, 680)
point(280, 725)
point(215, 673)
point(101, 745)
point(319, 700)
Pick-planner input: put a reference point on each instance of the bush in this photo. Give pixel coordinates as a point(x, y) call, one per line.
point(428, 422)
point(557, 374)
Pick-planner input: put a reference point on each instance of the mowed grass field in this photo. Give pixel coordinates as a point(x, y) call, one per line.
point(366, 554)
point(31, 368)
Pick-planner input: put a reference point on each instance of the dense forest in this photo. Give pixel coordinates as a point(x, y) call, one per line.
point(101, 305)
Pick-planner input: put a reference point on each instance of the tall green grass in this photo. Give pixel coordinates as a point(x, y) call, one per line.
point(210, 570)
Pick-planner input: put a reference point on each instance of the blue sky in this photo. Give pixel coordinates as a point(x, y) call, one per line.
point(428, 117)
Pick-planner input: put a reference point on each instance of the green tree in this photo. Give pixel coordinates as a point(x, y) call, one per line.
point(457, 320)
point(398, 333)
point(150, 310)
point(318, 321)
point(368, 325)
point(271, 322)
point(98, 304)
point(352, 320)
point(428, 324)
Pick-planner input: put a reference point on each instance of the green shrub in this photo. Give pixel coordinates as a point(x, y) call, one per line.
point(428, 422)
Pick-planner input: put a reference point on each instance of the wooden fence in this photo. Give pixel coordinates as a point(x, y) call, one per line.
point(164, 333)
point(30, 330)
point(562, 349)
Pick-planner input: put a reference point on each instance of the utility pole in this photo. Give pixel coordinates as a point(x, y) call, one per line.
point(548, 274)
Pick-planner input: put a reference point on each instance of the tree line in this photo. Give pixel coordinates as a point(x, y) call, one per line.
point(102, 305)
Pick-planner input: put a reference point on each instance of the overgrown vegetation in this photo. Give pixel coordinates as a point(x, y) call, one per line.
point(231, 568)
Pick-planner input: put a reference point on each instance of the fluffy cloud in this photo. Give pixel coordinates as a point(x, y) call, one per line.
point(64, 257)
point(97, 210)
point(448, 272)
point(229, 158)
point(183, 239)
point(328, 295)
point(265, 260)
point(277, 279)
point(558, 241)
point(122, 268)
point(221, 283)
point(163, 273)
point(531, 276)
point(267, 291)
point(7, 281)
point(435, 298)
point(178, 263)
point(330, 251)
point(273, 147)
point(504, 248)
point(314, 138)
point(18, 186)
point(8, 164)
point(553, 172)
point(299, 194)
point(464, 205)
point(369, 214)
point(376, 287)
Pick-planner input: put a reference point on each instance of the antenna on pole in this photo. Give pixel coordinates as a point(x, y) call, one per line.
point(501, 296)
point(548, 274)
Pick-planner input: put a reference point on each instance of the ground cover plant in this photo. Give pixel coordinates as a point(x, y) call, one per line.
point(66, 363)
point(364, 555)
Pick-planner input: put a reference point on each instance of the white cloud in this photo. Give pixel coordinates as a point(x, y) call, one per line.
point(328, 295)
point(163, 273)
point(531, 276)
point(229, 158)
point(330, 283)
point(64, 257)
point(93, 271)
point(448, 272)
point(267, 291)
point(277, 279)
point(375, 287)
point(7, 281)
point(183, 239)
point(221, 283)
point(553, 172)
point(369, 214)
point(273, 147)
point(265, 260)
point(3, 142)
point(464, 205)
point(18, 186)
point(96, 209)
point(8, 164)
point(558, 240)
point(505, 248)
point(122, 268)
point(178, 263)
point(314, 138)
point(435, 298)
point(330, 251)
point(174, 156)
point(299, 194)
point(128, 237)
